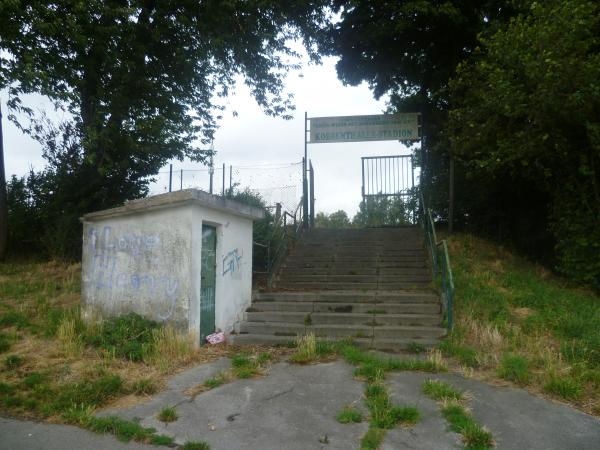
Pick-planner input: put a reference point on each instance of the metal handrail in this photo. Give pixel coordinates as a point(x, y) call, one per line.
point(440, 261)
point(280, 239)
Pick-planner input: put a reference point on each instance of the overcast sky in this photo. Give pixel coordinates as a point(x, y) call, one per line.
point(261, 149)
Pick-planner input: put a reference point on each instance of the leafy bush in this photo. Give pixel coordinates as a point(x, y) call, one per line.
point(129, 336)
point(537, 129)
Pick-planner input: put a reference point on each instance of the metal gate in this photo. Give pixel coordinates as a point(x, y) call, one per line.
point(387, 176)
point(208, 272)
point(390, 176)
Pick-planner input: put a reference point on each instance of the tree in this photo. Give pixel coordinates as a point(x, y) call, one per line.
point(410, 49)
point(526, 114)
point(3, 198)
point(337, 219)
point(142, 79)
point(381, 210)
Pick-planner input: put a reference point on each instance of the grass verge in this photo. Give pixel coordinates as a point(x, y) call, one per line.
point(519, 322)
point(55, 366)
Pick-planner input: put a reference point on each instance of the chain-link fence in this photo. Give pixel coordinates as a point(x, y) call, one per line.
point(275, 183)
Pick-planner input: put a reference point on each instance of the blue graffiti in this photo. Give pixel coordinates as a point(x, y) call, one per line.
point(106, 273)
point(134, 244)
point(231, 261)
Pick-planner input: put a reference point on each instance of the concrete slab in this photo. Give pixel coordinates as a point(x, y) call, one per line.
point(26, 435)
point(517, 419)
point(293, 407)
point(174, 394)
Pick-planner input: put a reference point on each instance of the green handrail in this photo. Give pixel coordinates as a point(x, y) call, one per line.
point(440, 261)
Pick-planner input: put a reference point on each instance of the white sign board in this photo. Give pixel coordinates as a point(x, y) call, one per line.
point(378, 127)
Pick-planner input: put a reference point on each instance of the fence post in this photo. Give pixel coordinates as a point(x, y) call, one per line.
point(223, 189)
point(312, 195)
point(230, 180)
point(277, 212)
point(304, 217)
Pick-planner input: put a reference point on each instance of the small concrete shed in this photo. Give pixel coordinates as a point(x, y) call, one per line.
point(184, 258)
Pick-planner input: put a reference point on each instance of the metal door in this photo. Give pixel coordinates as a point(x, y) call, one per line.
point(207, 281)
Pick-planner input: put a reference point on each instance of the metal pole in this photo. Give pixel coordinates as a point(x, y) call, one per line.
point(223, 189)
point(211, 172)
point(312, 195)
point(230, 180)
point(170, 176)
point(181, 181)
point(451, 196)
point(3, 200)
point(362, 160)
point(304, 180)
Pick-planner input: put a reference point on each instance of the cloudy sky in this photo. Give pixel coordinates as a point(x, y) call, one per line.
point(263, 151)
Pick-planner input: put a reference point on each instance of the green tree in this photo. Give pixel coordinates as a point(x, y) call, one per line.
point(381, 210)
point(409, 49)
point(337, 219)
point(142, 81)
point(527, 114)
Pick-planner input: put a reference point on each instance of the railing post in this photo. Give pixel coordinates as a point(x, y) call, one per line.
point(312, 195)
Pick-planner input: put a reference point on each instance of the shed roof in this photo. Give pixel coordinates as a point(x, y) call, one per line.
point(177, 198)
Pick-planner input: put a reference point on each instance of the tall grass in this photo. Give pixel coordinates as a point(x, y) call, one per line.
point(170, 348)
point(518, 321)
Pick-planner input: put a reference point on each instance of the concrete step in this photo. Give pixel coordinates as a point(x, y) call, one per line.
point(293, 263)
point(287, 329)
point(354, 278)
point(344, 307)
point(316, 285)
point(354, 252)
point(364, 343)
point(353, 318)
point(349, 296)
point(357, 257)
point(372, 271)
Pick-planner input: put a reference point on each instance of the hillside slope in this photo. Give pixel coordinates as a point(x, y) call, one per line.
point(517, 322)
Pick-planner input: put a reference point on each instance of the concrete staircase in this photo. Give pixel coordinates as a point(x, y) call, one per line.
point(373, 285)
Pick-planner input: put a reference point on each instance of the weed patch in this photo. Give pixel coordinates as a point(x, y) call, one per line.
point(460, 421)
point(465, 354)
point(5, 342)
point(167, 415)
point(14, 319)
point(13, 362)
point(564, 387)
point(92, 393)
point(440, 390)
point(372, 439)
point(129, 336)
point(349, 415)
point(144, 386)
point(194, 445)
point(514, 368)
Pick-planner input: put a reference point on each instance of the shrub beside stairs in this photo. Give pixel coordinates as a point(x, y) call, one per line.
point(373, 285)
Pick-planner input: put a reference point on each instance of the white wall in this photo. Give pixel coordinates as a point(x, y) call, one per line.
point(149, 262)
point(139, 262)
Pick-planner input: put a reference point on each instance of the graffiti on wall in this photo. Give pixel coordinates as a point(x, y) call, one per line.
point(130, 263)
point(231, 262)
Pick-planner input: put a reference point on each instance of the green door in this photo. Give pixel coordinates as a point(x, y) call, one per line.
point(207, 281)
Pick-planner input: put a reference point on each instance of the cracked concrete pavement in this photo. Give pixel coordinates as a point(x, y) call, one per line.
point(294, 407)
